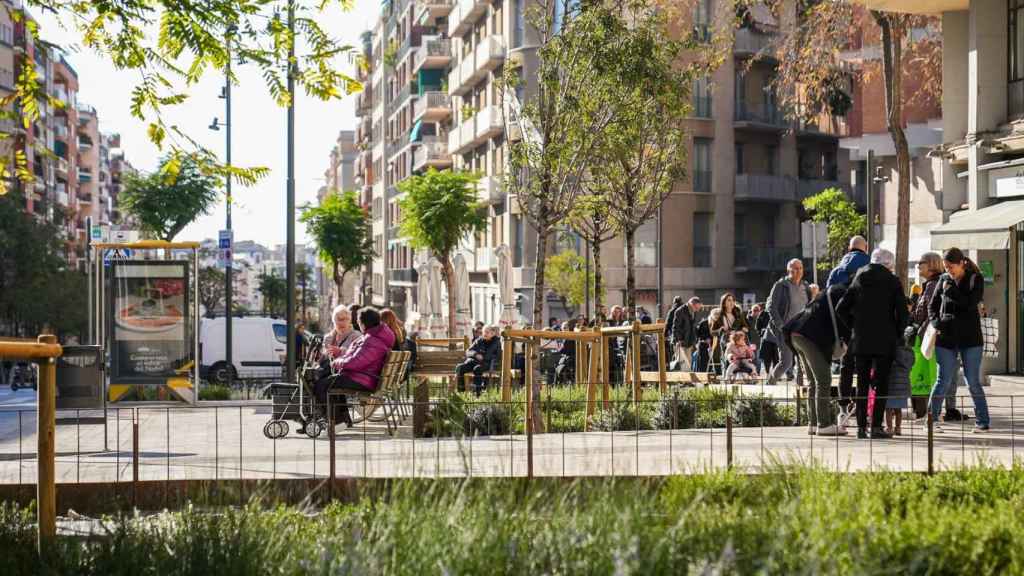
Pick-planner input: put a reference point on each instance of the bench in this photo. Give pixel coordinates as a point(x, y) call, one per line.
point(681, 378)
point(387, 396)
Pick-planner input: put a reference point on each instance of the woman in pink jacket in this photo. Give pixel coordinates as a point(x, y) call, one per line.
point(360, 367)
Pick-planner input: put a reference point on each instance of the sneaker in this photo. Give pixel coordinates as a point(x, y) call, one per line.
point(862, 433)
point(954, 415)
point(880, 435)
point(982, 429)
point(832, 430)
point(812, 430)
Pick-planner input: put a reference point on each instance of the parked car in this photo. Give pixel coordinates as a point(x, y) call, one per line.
point(258, 344)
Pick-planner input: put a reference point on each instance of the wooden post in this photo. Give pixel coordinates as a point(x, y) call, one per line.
point(662, 359)
point(506, 366)
point(606, 370)
point(420, 408)
point(46, 437)
point(593, 377)
point(635, 353)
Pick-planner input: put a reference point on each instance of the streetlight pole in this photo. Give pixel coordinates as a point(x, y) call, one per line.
point(228, 265)
point(290, 210)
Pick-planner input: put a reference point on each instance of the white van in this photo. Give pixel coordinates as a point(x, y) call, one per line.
point(258, 345)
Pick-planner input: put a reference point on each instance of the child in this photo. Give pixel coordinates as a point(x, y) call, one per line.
point(740, 355)
point(899, 387)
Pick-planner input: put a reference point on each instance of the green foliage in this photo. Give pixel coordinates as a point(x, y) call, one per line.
point(343, 233)
point(834, 208)
point(785, 521)
point(274, 290)
point(439, 209)
point(211, 288)
point(37, 290)
point(166, 201)
point(214, 393)
point(622, 416)
point(567, 276)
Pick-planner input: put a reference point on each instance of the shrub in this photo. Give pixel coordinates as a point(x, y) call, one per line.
point(622, 416)
point(488, 420)
point(676, 412)
point(447, 418)
point(215, 392)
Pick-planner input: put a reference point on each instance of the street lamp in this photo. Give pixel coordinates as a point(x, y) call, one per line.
point(216, 125)
point(290, 204)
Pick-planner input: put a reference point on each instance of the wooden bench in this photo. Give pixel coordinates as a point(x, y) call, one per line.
point(681, 378)
point(387, 396)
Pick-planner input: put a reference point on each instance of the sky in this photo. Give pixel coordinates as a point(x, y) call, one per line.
point(259, 135)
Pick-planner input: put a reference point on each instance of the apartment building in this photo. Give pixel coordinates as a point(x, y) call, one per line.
point(340, 176)
point(434, 99)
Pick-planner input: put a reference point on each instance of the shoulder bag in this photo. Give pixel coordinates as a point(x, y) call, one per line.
point(838, 347)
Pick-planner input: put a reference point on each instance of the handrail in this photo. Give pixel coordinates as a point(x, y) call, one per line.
point(29, 349)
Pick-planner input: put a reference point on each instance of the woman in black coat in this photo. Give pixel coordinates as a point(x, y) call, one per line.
point(953, 311)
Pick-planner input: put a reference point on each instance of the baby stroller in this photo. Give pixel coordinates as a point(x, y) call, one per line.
point(296, 402)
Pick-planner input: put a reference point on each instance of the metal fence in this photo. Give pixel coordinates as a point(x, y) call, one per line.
point(462, 436)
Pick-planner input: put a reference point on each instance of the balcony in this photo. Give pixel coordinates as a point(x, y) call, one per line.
point(759, 116)
point(763, 258)
point(824, 126)
point(807, 187)
point(429, 10)
point(460, 139)
point(411, 89)
point(489, 190)
point(431, 153)
point(489, 124)
point(364, 102)
point(752, 42)
point(484, 259)
point(85, 175)
point(407, 275)
point(396, 145)
point(62, 166)
point(765, 188)
point(432, 54)
point(463, 15)
point(84, 144)
point(432, 107)
point(85, 197)
point(489, 55)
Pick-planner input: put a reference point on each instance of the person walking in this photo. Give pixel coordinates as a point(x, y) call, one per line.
point(813, 336)
point(854, 259)
point(876, 308)
point(788, 297)
point(953, 312)
point(754, 334)
point(684, 333)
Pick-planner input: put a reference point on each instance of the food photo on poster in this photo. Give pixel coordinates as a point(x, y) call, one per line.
point(150, 321)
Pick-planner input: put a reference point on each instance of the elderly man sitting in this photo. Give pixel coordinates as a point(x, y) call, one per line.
point(482, 356)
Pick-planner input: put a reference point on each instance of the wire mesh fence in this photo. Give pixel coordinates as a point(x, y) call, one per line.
point(463, 435)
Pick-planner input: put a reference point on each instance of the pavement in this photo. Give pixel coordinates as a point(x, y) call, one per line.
point(225, 440)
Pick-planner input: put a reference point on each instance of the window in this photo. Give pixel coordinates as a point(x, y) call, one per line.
point(701, 98)
point(281, 333)
point(1015, 59)
point(702, 13)
point(702, 239)
point(645, 245)
point(772, 152)
point(701, 165)
point(518, 23)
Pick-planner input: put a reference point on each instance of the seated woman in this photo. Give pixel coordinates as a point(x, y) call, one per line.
point(403, 341)
point(360, 367)
point(342, 336)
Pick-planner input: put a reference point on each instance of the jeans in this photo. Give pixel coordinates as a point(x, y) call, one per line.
point(879, 380)
point(846, 372)
point(785, 364)
point(947, 359)
point(819, 373)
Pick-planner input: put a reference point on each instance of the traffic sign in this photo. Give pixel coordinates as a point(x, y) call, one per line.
point(226, 239)
point(116, 254)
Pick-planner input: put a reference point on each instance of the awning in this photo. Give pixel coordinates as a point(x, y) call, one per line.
point(984, 229)
point(414, 136)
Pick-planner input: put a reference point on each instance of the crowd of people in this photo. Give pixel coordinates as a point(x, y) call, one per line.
point(863, 322)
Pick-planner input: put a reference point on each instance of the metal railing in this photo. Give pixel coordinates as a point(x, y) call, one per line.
point(760, 113)
point(763, 258)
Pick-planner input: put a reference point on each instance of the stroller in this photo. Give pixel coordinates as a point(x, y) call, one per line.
point(296, 402)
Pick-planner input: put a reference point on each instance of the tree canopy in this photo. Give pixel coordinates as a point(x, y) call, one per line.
point(844, 222)
point(438, 211)
point(163, 203)
point(343, 233)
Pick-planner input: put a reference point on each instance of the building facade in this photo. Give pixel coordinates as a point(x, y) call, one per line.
point(340, 176)
point(433, 99)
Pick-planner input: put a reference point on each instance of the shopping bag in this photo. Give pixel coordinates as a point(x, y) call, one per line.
point(928, 341)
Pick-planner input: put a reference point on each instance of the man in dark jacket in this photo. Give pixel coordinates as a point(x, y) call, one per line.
point(482, 356)
point(843, 274)
point(876, 308)
point(684, 333)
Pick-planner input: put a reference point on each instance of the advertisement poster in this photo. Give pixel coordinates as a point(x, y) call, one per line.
point(149, 321)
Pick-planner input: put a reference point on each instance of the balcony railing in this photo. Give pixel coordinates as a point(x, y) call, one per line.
point(435, 9)
point(807, 187)
point(490, 190)
point(765, 187)
point(433, 53)
point(431, 152)
point(749, 41)
point(760, 113)
point(464, 15)
point(432, 106)
point(397, 144)
point(403, 275)
point(489, 123)
point(763, 258)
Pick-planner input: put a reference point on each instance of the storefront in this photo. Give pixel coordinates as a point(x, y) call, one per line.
point(994, 237)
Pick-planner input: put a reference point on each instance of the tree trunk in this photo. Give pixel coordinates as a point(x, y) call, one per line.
point(338, 275)
point(892, 74)
point(543, 231)
point(449, 281)
point(631, 275)
point(598, 300)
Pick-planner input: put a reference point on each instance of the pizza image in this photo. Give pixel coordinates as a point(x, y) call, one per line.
point(151, 313)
